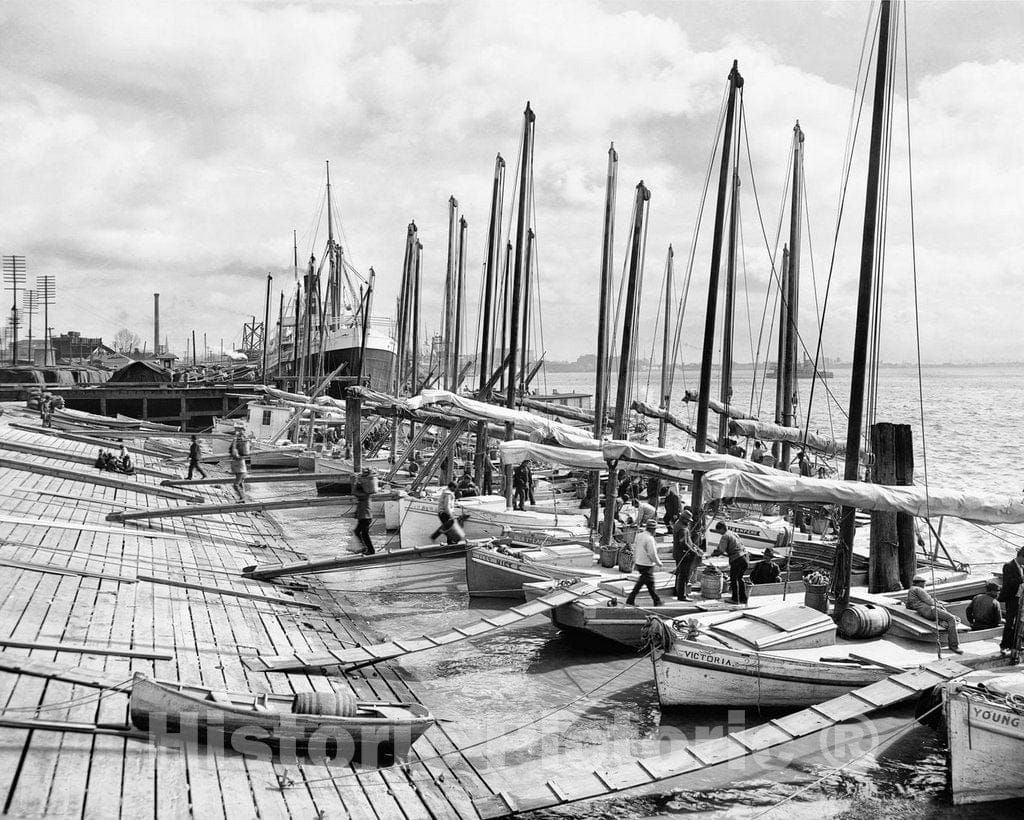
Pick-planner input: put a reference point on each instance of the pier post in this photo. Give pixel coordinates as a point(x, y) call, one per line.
point(906, 526)
point(884, 555)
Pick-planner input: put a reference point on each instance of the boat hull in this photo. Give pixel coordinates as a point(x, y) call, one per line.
point(483, 517)
point(175, 711)
point(983, 737)
point(699, 674)
point(491, 574)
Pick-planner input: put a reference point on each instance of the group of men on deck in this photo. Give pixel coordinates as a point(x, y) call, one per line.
point(687, 555)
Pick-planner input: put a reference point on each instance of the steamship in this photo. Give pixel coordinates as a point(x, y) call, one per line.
point(327, 323)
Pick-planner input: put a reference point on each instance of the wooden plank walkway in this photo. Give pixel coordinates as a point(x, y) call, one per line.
point(641, 772)
point(198, 620)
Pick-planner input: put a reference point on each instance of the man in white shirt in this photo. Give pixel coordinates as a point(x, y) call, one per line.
point(645, 559)
point(445, 510)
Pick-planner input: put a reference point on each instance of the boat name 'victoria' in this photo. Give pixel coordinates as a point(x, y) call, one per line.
point(701, 656)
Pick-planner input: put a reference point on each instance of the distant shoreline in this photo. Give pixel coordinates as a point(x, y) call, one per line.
point(585, 367)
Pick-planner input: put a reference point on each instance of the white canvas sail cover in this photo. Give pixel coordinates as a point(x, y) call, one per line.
point(717, 406)
point(914, 500)
point(482, 411)
point(515, 452)
point(678, 464)
point(793, 435)
point(645, 409)
point(678, 459)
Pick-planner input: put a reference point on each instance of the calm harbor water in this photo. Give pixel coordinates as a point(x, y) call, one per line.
point(533, 704)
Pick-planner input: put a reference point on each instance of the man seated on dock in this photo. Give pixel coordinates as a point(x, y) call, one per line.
point(921, 602)
point(766, 571)
point(983, 611)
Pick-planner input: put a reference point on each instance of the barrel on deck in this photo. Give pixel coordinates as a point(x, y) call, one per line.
point(864, 621)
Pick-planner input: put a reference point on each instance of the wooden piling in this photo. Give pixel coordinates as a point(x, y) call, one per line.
point(906, 526)
point(883, 558)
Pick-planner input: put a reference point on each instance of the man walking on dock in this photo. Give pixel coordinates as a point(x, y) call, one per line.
point(362, 489)
point(645, 553)
point(238, 451)
point(193, 459)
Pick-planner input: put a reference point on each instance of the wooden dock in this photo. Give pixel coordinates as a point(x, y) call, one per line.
point(170, 601)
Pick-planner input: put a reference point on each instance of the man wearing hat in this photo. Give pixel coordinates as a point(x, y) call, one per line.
point(645, 559)
point(766, 571)
point(983, 610)
point(926, 606)
point(238, 450)
point(362, 489)
point(685, 553)
point(1013, 573)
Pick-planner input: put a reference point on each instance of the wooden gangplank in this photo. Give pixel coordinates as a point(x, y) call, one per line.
point(74, 458)
point(389, 650)
point(265, 478)
point(241, 507)
point(646, 771)
point(265, 572)
point(101, 480)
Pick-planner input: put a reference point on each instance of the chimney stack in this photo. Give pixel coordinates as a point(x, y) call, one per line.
point(156, 324)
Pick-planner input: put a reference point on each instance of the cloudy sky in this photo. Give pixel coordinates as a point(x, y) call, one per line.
point(173, 147)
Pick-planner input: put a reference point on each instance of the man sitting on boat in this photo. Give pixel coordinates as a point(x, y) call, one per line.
point(730, 546)
point(758, 452)
point(921, 602)
point(983, 611)
point(467, 487)
point(766, 571)
point(645, 558)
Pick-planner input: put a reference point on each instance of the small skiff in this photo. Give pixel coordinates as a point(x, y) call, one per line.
point(333, 722)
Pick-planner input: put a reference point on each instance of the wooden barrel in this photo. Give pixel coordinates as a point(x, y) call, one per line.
point(864, 621)
point(338, 704)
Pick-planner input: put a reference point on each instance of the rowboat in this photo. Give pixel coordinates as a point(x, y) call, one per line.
point(985, 730)
point(306, 721)
point(789, 656)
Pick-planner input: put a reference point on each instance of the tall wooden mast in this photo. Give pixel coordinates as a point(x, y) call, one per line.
point(847, 528)
point(735, 83)
point(666, 364)
point(636, 255)
point(449, 293)
point(725, 392)
point(491, 266)
point(460, 288)
point(521, 266)
point(780, 366)
point(601, 386)
point(792, 360)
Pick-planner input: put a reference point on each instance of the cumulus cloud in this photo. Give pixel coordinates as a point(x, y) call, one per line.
point(174, 147)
